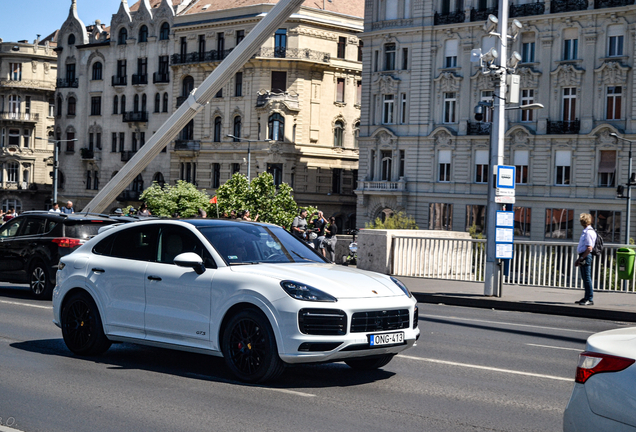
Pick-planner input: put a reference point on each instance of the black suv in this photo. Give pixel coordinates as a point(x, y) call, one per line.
point(32, 244)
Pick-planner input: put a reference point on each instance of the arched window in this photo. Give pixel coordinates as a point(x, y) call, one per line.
point(136, 103)
point(356, 134)
point(165, 102)
point(138, 184)
point(187, 86)
point(123, 35)
point(143, 102)
point(115, 104)
point(123, 104)
point(71, 106)
point(143, 34)
point(157, 102)
point(97, 71)
point(158, 178)
point(59, 106)
point(71, 39)
point(338, 134)
point(276, 127)
point(164, 33)
point(13, 168)
point(237, 128)
point(217, 129)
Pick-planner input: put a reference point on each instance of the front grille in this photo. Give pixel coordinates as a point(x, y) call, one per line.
point(326, 322)
point(379, 320)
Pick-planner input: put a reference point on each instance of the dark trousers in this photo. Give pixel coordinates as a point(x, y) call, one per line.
point(586, 275)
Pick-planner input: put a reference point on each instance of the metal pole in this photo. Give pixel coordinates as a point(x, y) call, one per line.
point(497, 136)
point(629, 195)
point(249, 161)
point(55, 168)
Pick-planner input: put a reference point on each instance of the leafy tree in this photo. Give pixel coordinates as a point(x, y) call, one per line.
point(399, 220)
point(183, 198)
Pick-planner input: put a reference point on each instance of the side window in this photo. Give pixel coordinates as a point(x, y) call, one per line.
point(50, 225)
point(175, 240)
point(11, 228)
point(105, 246)
point(136, 243)
point(34, 226)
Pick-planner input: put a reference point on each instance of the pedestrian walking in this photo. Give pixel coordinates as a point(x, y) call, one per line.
point(299, 225)
point(319, 223)
point(330, 239)
point(584, 260)
point(68, 209)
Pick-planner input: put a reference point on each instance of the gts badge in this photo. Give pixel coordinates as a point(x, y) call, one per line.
point(202, 333)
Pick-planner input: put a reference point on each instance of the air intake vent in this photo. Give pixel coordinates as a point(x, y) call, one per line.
point(328, 322)
point(379, 320)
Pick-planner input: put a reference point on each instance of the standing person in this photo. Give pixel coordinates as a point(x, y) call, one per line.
point(69, 208)
point(584, 261)
point(319, 223)
point(143, 211)
point(330, 238)
point(202, 214)
point(233, 214)
point(9, 215)
point(56, 208)
point(245, 215)
point(299, 225)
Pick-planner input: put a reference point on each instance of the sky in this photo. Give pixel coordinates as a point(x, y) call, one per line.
point(25, 19)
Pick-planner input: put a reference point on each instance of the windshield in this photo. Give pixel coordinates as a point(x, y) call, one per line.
point(253, 244)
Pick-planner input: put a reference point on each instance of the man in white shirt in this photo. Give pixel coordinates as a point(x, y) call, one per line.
point(55, 209)
point(584, 261)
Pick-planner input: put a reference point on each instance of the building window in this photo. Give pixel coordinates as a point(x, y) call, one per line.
point(136, 103)
point(521, 166)
point(123, 35)
point(157, 102)
point(376, 61)
point(165, 102)
point(164, 66)
point(236, 168)
point(340, 90)
point(569, 104)
point(476, 217)
point(450, 103)
point(403, 108)
point(13, 168)
point(159, 179)
point(115, 104)
point(358, 92)
point(71, 106)
point(240, 35)
point(142, 69)
point(164, 33)
point(138, 184)
point(440, 216)
point(14, 137)
point(405, 58)
point(187, 133)
point(338, 134)
point(71, 39)
point(143, 34)
point(70, 144)
point(276, 127)
point(389, 56)
point(96, 105)
point(122, 142)
point(279, 82)
point(386, 163)
point(220, 43)
point(238, 84)
point(15, 71)
point(444, 164)
point(570, 49)
point(113, 143)
point(342, 47)
point(607, 224)
point(276, 170)
point(280, 43)
point(527, 97)
point(89, 180)
point(187, 85)
point(122, 105)
point(607, 168)
point(217, 129)
point(559, 223)
point(450, 53)
point(237, 128)
point(487, 97)
point(201, 47)
point(356, 135)
point(15, 204)
point(188, 171)
point(388, 109)
point(216, 175)
point(523, 216)
point(97, 71)
point(614, 99)
point(70, 73)
point(481, 166)
point(615, 41)
point(360, 46)
point(562, 166)
point(527, 52)
point(14, 105)
point(121, 70)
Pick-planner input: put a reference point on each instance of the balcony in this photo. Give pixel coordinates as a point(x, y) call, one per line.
point(294, 54)
point(567, 5)
point(128, 195)
point(528, 9)
point(119, 80)
point(181, 145)
point(20, 117)
point(479, 128)
point(482, 15)
point(87, 154)
point(383, 186)
point(67, 83)
point(140, 79)
point(158, 77)
point(450, 18)
point(200, 57)
point(600, 4)
point(127, 155)
point(564, 127)
point(132, 116)
point(290, 100)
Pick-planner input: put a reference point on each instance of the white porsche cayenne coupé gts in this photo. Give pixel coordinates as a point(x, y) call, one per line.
point(249, 292)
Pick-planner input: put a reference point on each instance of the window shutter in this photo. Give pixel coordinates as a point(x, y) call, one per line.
point(608, 161)
point(481, 157)
point(563, 157)
point(444, 156)
point(521, 157)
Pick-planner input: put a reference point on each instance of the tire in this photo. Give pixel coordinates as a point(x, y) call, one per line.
point(40, 280)
point(249, 347)
point(370, 363)
point(82, 328)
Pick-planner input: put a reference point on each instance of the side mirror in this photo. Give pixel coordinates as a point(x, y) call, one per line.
point(192, 260)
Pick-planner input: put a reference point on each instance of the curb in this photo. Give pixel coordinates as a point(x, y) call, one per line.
point(547, 309)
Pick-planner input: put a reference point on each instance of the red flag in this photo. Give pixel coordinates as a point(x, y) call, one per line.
point(213, 200)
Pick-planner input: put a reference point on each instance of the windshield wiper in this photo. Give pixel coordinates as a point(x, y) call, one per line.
point(301, 257)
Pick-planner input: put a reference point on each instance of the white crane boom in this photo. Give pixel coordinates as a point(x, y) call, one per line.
point(194, 104)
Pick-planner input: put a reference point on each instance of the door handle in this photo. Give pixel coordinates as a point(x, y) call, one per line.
point(98, 270)
point(155, 278)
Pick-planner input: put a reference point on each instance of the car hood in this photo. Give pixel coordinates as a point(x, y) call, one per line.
point(618, 342)
point(338, 281)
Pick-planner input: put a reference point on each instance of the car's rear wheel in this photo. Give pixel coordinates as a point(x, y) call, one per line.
point(40, 281)
point(82, 326)
point(370, 363)
point(249, 347)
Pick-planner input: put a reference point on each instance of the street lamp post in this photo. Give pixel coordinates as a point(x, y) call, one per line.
point(249, 155)
point(630, 182)
point(55, 161)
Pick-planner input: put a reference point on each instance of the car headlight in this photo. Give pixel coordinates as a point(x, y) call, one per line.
point(402, 286)
point(305, 292)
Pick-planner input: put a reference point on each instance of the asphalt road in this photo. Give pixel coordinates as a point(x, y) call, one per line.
point(473, 370)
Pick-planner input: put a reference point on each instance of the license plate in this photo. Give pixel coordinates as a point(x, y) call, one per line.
point(386, 339)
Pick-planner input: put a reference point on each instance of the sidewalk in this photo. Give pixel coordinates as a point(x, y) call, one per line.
point(614, 306)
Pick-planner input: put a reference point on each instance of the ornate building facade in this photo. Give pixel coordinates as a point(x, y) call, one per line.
point(27, 84)
point(422, 152)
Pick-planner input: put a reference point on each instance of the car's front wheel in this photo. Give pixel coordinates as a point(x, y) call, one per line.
point(370, 363)
point(82, 328)
point(39, 280)
point(249, 347)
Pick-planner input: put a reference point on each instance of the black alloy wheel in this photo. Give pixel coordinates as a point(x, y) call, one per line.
point(249, 347)
point(82, 326)
point(39, 281)
point(370, 363)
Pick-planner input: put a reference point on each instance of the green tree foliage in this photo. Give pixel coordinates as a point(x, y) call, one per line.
point(399, 220)
point(183, 198)
point(260, 198)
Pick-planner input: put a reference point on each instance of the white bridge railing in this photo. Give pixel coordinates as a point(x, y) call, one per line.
point(534, 263)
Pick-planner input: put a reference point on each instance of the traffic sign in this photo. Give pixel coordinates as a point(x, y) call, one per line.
point(504, 192)
point(505, 176)
point(505, 199)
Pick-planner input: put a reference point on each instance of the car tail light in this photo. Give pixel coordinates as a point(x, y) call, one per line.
point(591, 363)
point(66, 242)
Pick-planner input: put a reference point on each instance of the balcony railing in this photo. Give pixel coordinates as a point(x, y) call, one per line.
point(479, 128)
point(67, 83)
point(564, 127)
point(20, 116)
point(131, 116)
point(139, 79)
point(126, 155)
point(567, 5)
point(383, 185)
point(200, 57)
point(187, 145)
point(450, 18)
point(291, 100)
point(294, 54)
point(120, 80)
point(158, 77)
point(600, 4)
point(87, 154)
point(482, 15)
point(526, 9)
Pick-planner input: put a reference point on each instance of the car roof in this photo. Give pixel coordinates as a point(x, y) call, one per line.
point(73, 217)
point(200, 223)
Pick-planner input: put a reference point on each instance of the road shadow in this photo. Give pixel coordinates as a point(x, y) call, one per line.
point(128, 356)
point(22, 292)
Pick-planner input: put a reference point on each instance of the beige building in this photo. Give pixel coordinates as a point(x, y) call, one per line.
point(295, 105)
point(27, 84)
point(421, 150)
